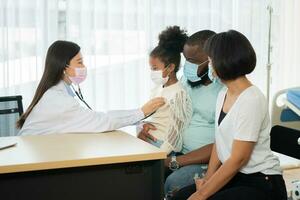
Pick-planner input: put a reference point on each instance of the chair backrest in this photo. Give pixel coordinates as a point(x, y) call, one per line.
point(11, 108)
point(285, 141)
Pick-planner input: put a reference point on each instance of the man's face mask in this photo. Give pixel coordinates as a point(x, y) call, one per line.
point(190, 71)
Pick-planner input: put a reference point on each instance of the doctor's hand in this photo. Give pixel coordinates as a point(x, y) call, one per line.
point(152, 105)
point(144, 133)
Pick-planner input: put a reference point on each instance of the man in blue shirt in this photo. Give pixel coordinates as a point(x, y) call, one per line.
point(198, 137)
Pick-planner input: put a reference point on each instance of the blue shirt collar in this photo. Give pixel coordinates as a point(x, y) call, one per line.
point(69, 90)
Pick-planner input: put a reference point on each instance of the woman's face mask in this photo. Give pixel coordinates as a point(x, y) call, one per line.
point(80, 75)
point(190, 71)
point(76, 71)
point(211, 73)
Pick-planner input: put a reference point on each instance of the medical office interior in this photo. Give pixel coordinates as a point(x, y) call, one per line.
point(116, 38)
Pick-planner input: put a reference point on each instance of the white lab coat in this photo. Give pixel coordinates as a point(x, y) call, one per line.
point(59, 112)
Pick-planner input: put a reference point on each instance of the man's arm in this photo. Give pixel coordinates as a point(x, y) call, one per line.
point(198, 156)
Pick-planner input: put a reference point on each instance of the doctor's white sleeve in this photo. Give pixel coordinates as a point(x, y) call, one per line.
point(83, 119)
point(118, 118)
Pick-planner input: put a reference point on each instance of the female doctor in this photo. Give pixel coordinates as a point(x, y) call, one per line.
point(54, 108)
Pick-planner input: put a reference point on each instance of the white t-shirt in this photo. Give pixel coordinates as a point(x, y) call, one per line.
point(247, 120)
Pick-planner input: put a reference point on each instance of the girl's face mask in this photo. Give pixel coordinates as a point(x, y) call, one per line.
point(157, 77)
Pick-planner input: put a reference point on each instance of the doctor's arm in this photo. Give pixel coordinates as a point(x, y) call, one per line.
point(117, 119)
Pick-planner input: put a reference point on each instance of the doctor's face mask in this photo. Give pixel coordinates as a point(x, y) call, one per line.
point(76, 71)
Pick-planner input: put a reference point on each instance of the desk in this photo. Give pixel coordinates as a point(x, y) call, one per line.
point(112, 165)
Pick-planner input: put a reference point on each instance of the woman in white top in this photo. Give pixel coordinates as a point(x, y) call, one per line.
point(54, 108)
point(242, 165)
point(171, 119)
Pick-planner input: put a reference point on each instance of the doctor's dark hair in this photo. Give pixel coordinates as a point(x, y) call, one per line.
point(58, 56)
point(170, 45)
point(231, 53)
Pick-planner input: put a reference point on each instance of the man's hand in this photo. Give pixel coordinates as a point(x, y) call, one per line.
point(167, 162)
point(144, 133)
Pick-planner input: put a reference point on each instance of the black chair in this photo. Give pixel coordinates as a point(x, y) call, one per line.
point(11, 108)
point(285, 141)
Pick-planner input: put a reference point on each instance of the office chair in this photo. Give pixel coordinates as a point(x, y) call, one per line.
point(11, 108)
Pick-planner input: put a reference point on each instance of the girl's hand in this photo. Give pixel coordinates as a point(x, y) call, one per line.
point(144, 133)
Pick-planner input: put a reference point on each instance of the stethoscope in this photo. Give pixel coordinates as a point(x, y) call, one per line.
point(80, 96)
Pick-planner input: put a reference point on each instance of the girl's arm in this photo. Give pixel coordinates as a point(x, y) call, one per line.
point(180, 115)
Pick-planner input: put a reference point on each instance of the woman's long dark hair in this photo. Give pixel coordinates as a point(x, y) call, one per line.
point(58, 56)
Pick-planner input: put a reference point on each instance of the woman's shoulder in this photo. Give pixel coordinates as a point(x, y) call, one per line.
point(57, 96)
point(253, 93)
point(253, 98)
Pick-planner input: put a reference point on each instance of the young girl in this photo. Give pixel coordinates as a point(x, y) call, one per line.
point(171, 119)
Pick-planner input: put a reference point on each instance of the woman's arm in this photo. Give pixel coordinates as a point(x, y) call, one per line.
point(240, 155)
point(214, 163)
point(213, 166)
